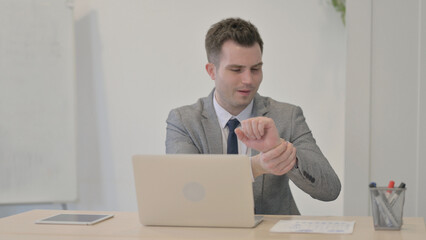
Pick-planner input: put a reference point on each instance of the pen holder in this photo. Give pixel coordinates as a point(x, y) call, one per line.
point(387, 206)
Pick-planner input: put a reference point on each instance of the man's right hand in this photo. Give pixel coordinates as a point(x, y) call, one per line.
point(277, 161)
point(259, 133)
point(277, 155)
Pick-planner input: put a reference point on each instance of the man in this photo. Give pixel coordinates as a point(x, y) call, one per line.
point(275, 134)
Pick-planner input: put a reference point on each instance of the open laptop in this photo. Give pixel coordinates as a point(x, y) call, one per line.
point(195, 190)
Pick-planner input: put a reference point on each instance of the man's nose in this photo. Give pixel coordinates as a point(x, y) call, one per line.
point(247, 77)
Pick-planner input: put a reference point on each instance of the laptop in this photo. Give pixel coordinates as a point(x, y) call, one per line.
point(196, 190)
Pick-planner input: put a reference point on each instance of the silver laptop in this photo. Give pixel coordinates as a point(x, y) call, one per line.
point(195, 190)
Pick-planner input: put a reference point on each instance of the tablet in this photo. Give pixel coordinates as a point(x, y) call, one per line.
point(82, 219)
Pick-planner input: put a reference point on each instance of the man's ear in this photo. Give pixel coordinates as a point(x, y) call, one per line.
point(211, 70)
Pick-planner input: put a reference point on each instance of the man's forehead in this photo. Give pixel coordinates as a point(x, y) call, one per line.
point(234, 54)
point(231, 45)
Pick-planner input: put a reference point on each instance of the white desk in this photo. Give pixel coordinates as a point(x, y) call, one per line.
point(125, 225)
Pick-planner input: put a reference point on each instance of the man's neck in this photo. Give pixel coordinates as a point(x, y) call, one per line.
point(241, 114)
point(232, 111)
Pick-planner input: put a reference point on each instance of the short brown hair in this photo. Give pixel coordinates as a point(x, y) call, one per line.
point(235, 29)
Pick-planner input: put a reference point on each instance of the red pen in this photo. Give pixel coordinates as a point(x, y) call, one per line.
point(390, 185)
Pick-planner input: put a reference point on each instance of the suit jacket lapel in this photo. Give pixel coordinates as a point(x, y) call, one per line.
point(259, 106)
point(211, 126)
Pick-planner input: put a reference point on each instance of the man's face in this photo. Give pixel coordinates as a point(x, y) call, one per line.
point(237, 76)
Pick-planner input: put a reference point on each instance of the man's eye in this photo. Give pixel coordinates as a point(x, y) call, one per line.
point(236, 69)
point(255, 69)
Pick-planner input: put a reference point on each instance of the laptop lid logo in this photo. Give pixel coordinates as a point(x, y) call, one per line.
point(194, 191)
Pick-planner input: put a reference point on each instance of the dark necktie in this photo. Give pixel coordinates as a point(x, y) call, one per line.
point(232, 137)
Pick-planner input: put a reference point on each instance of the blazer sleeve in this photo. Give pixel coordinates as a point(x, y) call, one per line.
point(178, 139)
point(313, 173)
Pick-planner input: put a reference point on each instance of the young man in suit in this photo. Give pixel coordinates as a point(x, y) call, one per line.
point(275, 134)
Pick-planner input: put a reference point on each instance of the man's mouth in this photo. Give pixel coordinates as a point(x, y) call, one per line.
point(244, 92)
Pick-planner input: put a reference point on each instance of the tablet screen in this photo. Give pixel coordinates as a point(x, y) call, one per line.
point(75, 219)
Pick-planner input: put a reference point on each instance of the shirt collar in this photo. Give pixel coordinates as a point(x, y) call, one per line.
point(224, 116)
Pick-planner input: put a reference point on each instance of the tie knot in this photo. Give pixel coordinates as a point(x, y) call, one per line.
point(232, 124)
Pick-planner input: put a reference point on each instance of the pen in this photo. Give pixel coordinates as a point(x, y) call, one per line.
point(394, 196)
point(390, 185)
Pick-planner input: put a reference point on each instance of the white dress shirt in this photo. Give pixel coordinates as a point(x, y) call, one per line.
point(224, 116)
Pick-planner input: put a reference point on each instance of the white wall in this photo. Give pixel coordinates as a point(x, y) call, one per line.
point(385, 126)
point(136, 60)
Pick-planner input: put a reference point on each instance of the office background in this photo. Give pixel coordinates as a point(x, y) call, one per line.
point(143, 58)
point(136, 60)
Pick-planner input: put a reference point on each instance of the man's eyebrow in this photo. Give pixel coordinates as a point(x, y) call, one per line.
point(234, 66)
point(242, 66)
point(258, 65)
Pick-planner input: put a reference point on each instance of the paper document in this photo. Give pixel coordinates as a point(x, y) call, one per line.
point(312, 226)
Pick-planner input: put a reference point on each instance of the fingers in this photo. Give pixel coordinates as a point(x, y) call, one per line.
point(247, 127)
point(254, 128)
point(279, 160)
point(240, 135)
point(259, 133)
point(258, 128)
point(284, 167)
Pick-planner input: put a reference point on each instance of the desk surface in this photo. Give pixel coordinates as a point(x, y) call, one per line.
point(125, 225)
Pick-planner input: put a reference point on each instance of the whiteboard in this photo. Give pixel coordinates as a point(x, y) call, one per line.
point(37, 115)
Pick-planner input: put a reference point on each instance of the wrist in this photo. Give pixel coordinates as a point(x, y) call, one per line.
point(278, 143)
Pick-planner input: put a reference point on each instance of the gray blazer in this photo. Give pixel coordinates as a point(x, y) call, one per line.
point(195, 129)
